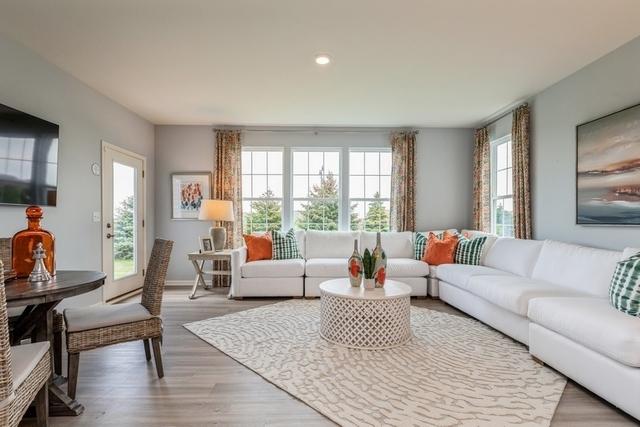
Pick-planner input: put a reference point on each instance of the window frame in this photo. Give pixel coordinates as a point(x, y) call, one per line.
point(283, 174)
point(379, 175)
point(340, 175)
point(493, 165)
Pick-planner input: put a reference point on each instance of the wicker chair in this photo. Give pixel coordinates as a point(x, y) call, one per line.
point(102, 325)
point(24, 373)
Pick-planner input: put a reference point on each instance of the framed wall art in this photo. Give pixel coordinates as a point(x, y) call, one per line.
point(188, 191)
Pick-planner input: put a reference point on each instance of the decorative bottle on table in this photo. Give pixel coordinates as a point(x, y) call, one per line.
point(25, 242)
point(355, 266)
point(380, 263)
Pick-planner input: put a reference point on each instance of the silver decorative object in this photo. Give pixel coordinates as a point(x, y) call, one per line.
point(39, 273)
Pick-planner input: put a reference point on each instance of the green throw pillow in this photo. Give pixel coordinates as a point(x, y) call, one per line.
point(419, 245)
point(624, 291)
point(285, 246)
point(468, 250)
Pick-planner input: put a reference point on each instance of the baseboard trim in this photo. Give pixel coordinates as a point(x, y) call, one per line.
point(179, 283)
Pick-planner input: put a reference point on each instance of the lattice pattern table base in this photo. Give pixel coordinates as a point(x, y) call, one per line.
point(371, 324)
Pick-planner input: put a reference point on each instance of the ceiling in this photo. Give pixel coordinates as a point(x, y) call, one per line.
point(251, 62)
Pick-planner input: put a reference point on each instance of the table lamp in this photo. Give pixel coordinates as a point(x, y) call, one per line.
point(217, 211)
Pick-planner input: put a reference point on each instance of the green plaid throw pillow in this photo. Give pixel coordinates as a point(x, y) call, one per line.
point(419, 245)
point(624, 291)
point(468, 250)
point(284, 246)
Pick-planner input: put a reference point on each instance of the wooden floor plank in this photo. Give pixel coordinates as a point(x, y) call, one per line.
point(202, 386)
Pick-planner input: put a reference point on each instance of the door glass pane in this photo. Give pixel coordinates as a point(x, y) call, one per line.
point(124, 223)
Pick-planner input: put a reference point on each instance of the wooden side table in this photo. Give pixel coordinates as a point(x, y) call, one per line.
point(199, 258)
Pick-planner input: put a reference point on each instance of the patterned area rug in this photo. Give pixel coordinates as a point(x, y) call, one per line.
point(454, 372)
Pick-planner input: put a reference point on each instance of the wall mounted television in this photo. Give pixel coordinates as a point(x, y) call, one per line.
point(28, 159)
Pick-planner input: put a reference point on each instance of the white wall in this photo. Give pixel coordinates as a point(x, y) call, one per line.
point(606, 85)
point(443, 158)
point(30, 84)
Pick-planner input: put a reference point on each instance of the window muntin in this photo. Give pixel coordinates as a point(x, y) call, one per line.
point(262, 189)
point(369, 189)
point(315, 194)
point(502, 187)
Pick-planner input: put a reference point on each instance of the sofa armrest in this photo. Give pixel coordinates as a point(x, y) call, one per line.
point(238, 259)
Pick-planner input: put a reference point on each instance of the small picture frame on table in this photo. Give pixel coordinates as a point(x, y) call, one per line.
point(206, 244)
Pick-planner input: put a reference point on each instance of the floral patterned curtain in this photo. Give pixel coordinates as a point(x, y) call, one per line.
point(521, 188)
point(227, 185)
point(403, 184)
point(482, 181)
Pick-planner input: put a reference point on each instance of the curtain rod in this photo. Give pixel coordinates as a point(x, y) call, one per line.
point(317, 130)
point(503, 115)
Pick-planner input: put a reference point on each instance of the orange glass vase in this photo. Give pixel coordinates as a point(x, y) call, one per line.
point(25, 241)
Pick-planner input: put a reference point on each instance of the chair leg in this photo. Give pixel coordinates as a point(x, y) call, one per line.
point(42, 406)
point(72, 367)
point(158, 356)
point(57, 352)
point(147, 349)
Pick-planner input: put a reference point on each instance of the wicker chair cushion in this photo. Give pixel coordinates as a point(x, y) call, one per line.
point(104, 315)
point(24, 359)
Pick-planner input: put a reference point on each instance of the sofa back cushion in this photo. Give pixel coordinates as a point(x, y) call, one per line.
point(515, 256)
point(629, 252)
point(300, 238)
point(395, 244)
point(577, 267)
point(329, 244)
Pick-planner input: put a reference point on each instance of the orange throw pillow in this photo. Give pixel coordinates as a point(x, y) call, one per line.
point(440, 251)
point(258, 247)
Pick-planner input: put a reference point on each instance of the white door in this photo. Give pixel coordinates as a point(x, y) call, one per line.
point(123, 230)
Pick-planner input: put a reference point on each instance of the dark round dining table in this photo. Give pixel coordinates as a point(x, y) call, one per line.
point(36, 320)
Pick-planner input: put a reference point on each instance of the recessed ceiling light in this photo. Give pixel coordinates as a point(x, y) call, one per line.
point(323, 59)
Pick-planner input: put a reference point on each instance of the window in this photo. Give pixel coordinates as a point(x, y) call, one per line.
point(261, 190)
point(501, 187)
point(316, 189)
point(369, 189)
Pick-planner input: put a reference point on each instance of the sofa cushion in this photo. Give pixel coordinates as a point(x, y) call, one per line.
point(576, 267)
point(330, 244)
point(273, 268)
point(513, 293)
point(104, 315)
point(593, 323)
point(491, 239)
point(629, 252)
point(406, 267)
point(326, 267)
point(516, 256)
point(433, 271)
point(395, 244)
point(624, 292)
point(459, 274)
point(285, 245)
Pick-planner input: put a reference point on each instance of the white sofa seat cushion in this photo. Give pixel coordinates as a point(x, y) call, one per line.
point(516, 256)
point(593, 323)
point(273, 268)
point(24, 359)
point(104, 315)
point(577, 267)
point(433, 271)
point(406, 267)
point(513, 293)
point(327, 267)
point(459, 274)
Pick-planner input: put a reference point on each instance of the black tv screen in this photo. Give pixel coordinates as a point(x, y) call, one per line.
point(28, 159)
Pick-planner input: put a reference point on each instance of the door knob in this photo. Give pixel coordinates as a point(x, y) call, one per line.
point(109, 235)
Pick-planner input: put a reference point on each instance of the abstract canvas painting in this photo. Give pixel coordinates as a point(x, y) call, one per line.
point(188, 191)
point(608, 169)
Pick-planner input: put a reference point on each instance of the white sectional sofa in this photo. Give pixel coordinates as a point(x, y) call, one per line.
point(553, 297)
point(325, 256)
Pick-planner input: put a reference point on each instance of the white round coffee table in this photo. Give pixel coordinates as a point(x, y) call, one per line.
point(372, 319)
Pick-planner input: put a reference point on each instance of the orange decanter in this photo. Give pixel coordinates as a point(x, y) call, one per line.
point(25, 241)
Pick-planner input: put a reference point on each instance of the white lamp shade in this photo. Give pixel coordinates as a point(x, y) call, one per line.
point(216, 210)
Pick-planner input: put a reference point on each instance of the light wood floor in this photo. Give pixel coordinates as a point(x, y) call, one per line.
point(204, 387)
